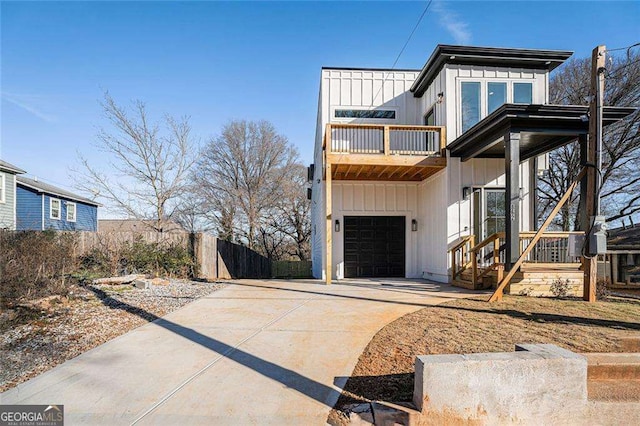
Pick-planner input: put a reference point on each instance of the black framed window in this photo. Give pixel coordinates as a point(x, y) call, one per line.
point(380, 114)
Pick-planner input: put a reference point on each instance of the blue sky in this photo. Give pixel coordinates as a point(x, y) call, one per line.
point(218, 61)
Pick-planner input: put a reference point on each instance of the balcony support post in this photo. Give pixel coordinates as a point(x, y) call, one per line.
point(387, 143)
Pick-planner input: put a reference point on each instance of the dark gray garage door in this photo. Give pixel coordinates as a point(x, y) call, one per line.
point(374, 246)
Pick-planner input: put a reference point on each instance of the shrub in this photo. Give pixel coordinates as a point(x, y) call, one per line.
point(35, 264)
point(140, 257)
point(560, 288)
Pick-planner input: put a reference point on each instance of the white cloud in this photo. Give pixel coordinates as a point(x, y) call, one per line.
point(26, 102)
point(452, 22)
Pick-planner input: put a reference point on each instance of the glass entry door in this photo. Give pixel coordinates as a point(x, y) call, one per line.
point(487, 212)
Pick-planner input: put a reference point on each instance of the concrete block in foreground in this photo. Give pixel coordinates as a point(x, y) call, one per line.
point(535, 383)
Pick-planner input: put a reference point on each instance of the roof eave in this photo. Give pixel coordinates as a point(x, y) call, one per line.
point(470, 55)
point(57, 194)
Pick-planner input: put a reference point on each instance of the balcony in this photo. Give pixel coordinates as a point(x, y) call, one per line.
point(384, 152)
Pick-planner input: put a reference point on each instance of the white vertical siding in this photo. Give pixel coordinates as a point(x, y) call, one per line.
point(437, 202)
point(356, 89)
point(429, 100)
point(485, 173)
point(353, 198)
point(432, 227)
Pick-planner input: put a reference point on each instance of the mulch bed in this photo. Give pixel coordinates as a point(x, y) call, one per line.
point(37, 336)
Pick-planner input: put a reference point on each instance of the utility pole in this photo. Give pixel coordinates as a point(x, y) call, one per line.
point(592, 147)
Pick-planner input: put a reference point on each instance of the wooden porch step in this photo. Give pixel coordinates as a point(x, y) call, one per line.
point(550, 267)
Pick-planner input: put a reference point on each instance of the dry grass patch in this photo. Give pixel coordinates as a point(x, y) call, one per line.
point(385, 368)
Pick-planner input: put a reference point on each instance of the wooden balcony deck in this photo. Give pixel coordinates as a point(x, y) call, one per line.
point(384, 152)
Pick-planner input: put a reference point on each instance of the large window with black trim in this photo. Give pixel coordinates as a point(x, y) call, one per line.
point(480, 98)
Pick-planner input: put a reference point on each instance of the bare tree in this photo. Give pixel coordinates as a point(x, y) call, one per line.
point(293, 217)
point(145, 166)
point(241, 176)
point(621, 142)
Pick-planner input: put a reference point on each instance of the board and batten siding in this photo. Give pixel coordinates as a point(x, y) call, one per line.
point(7, 207)
point(86, 216)
point(429, 100)
point(353, 198)
point(354, 89)
point(432, 227)
point(28, 209)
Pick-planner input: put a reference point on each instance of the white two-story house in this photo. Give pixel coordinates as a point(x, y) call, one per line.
point(414, 168)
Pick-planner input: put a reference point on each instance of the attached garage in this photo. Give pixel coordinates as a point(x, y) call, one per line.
point(374, 246)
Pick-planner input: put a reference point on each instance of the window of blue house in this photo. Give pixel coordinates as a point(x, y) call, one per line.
point(470, 104)
point(54, 208)
point(71, 211)
point(522, 93)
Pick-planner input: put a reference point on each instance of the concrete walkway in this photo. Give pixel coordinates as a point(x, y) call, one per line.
point(255, 352)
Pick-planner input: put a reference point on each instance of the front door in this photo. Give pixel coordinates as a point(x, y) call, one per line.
point(374, 246)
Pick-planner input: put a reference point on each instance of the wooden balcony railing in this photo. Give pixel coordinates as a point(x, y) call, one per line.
point(488, 255)
point(385, 139)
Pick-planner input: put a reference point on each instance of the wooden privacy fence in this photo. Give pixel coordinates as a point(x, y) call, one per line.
point(216, 259)
point(87, 241)
point(236, 261)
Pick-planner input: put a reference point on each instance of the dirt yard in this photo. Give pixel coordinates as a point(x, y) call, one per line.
point(37, 336)
point(385, 368)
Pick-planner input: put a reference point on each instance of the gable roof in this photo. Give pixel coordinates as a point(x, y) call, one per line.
point(489, 56)
point(53, 190)
point(8, 167)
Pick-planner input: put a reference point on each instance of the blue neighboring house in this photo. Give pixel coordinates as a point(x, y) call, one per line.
point(41, 206)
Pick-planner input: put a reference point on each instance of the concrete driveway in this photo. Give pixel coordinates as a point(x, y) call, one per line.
point(255, 352)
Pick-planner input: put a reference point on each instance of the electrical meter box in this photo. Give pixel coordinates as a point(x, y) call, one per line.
point(598, 236)
point(576, 243)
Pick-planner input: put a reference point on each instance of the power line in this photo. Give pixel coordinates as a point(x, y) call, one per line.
point(424, 12)
point(623, 48)
point(613, 73)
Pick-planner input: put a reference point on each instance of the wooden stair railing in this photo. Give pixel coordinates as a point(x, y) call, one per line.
point(461, 247)
point(497, 294)
point(493, 238)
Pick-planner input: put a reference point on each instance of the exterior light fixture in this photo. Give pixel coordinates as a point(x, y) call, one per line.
point(414, 225)
point(337, 226)
point(466, 192)
point(440, 97)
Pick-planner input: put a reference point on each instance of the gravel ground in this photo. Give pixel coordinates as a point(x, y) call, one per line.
point(36, 337)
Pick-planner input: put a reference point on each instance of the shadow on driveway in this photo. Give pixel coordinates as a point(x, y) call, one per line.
point(315, 390)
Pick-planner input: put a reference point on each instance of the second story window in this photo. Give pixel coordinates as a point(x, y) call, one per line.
point(379, 114)
point(522, 93)
point(470, 104)
point(480, 98)
point(496, 95)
